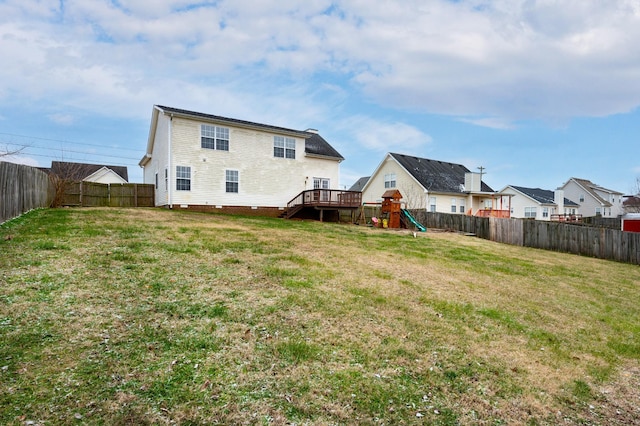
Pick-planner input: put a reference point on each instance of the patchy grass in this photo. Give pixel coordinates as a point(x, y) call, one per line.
point(144, 316)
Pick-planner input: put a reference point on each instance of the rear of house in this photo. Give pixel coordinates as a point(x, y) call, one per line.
point(201, 161)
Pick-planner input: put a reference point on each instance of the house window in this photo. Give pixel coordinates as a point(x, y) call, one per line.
point(231, 181)
point(432, 204)
point(530, 212)
point(461, 208)
point(284, 147)
point(598, 211)
point(581, 198)
point(156, 180)
point(390, 180)
point(453, 205)
point(166, 179)
point(545, 212)
point(214, 137)
point(183, 178)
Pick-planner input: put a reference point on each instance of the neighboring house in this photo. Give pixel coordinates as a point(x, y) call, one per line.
point(593, 199)
point(436, 186)
point(205, 161)
point(360, 183)
point(631, 204)
point(78, 172)
point(540, 204)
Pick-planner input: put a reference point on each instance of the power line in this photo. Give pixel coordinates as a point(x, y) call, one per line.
point(58, 140)
point(70, 159)
point(27, 147)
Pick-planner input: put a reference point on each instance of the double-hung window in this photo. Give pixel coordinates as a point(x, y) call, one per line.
point(453, 205)
point(284, 147)
point(390, 180)
point(232, 181)
point(530, 212)
point(183, 178)
point(214, 137)
point(545, 212)
point(432, 204)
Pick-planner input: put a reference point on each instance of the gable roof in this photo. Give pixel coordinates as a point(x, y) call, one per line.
point(434, 175)
point(80, 171)
point(315, 144)
point(542, 196)
point(360, 183)
point(591, 188)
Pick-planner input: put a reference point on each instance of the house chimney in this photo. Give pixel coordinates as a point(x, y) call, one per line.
point(558, 199)
point(472, 182)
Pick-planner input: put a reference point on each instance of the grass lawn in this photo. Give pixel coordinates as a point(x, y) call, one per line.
point(148, 316)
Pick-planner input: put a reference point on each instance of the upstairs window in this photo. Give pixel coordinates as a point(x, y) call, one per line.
point(214, 137)
point(390, 180)
point(232, 181)
point(284, 147)
point(183, 178)
point(432, 204)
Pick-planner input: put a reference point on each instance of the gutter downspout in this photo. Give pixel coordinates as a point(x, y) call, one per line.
point(170, 186)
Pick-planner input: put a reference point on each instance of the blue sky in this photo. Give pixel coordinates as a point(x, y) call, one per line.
point(534, 91)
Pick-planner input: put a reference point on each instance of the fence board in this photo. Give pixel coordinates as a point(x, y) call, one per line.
point(93, 194)
point(22, 188)
point(580, 239)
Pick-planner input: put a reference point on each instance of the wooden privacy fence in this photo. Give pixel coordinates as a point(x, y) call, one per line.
point(93, 194)
point(603, 243)
point(22, 188)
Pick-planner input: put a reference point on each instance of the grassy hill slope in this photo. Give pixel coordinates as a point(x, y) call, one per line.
point(145, 316)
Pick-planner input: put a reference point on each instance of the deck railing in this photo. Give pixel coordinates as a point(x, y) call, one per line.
point(505, 214)
point(328, 198)
point(566, 217)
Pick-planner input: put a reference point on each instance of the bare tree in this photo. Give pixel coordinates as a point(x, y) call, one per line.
point(62, 176)
point(9, 151)
point(632, 202)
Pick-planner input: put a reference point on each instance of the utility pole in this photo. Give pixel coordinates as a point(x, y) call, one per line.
point(482, 169)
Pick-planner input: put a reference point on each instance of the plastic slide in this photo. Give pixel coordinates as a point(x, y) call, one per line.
point(413, 220)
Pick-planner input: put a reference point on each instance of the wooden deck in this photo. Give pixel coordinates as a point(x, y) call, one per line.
point(321, 200)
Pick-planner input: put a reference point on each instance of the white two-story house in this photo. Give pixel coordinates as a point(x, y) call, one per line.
point(202, 161)
point(593, 199)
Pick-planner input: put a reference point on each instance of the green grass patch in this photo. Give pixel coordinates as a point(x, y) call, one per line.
point(151, 316)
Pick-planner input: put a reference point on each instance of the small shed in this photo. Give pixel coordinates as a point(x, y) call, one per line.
point(631, 222)
point(391, 206)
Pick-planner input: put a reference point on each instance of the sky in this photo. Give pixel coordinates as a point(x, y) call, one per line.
point(533, 91)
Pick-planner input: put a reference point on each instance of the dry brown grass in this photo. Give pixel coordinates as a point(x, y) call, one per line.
point(155, 316)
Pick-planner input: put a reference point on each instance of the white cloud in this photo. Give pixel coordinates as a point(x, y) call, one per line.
point(375, 135)
point(19, 159)
point(64, 119)
point(487, 63)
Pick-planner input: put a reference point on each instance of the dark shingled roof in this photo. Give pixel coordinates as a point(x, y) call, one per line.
point(360, 183)
point(434, 175)
point(79, 171)
point(543, 196)
point(314, 143)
